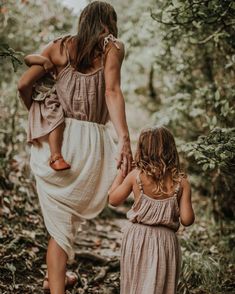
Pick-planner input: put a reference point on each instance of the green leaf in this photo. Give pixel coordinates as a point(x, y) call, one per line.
point(176, 3)
point(205, 166)
point(214, 120)
point(217, 95)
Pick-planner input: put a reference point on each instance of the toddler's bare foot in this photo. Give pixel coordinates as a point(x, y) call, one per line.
point(58, 163)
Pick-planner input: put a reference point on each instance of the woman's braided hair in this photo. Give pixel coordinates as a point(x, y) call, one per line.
point(157, 156)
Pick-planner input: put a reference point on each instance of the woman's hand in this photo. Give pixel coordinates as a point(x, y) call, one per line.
point(124, 160)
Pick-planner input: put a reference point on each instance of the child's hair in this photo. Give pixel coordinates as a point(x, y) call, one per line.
point(156, 156)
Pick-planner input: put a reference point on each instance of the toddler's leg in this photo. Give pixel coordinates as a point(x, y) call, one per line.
point(55, 142)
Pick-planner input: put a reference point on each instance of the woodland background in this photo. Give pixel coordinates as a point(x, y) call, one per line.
point(178, 71)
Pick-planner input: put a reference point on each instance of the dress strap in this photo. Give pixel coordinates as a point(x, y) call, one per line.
point(139, 183)
point(111, 38)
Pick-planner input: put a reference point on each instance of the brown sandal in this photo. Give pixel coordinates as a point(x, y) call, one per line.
point(58, 163)
point(70, 280)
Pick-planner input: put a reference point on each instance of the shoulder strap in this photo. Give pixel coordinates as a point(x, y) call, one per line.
point(111, 38)
point(139, 183)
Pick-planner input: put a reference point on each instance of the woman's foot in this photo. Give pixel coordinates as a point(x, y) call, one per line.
point(58, 163)
point(70, 280)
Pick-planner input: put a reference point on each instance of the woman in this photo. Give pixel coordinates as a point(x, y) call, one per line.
point(88, 87)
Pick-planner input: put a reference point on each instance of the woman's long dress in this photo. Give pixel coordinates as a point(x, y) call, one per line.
point(68, 197)
point(150, 253)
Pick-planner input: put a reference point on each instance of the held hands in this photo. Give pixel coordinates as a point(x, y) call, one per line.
point(125, 160)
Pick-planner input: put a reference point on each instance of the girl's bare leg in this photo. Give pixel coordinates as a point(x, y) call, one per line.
point(56, 265)
point(55, 139)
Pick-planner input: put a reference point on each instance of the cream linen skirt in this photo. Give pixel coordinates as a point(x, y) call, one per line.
point(68, 197)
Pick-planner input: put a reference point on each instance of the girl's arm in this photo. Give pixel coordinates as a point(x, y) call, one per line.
point(27, 80)
point(37, 59)
point(116, 105)
point(186, 211)
point(120, 189)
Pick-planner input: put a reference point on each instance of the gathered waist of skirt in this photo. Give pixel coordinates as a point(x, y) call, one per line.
point(85, 122)
point(154, 226)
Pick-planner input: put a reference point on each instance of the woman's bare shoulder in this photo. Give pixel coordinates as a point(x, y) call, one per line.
point(115, 48)
point(55, 51)
point(120, 43)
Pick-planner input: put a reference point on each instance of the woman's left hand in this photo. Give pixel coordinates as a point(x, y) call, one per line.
point(125, 159)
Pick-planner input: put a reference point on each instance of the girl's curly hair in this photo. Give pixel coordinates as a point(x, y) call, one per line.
point(157, 156)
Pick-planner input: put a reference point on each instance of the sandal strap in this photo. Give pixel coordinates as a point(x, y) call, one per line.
point(57, 157)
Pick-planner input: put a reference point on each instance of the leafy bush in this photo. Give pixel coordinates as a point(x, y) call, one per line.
point(198, 103)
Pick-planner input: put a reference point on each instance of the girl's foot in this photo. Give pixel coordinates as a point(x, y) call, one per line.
point(58, 163)
point(70, 280)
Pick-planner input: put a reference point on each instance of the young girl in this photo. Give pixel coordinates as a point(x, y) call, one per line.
point(46, 115)
point(150, 252)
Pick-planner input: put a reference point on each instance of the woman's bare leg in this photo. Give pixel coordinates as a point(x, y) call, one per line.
point(56, 266)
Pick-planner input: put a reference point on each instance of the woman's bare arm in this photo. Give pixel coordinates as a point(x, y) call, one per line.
point(116, 105)
point(186, 211)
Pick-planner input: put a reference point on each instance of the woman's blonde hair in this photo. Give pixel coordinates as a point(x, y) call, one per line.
point(157, 155)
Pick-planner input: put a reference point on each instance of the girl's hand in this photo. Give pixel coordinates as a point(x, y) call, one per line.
point(48, 65)
point(124, 160)
point(121, 188)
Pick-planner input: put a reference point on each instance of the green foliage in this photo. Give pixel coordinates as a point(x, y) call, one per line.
point(207, 255)
point(7, 52)
point(203, 36)
point(45, 21)
point(214, 151)
point(198, 89)
point(180, 66)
